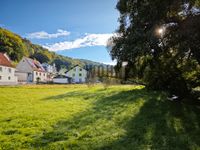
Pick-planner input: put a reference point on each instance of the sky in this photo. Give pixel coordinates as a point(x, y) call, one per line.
point(74, 28)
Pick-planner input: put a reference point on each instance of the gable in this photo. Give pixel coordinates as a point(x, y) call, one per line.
point(23, 66)
point(77, 68)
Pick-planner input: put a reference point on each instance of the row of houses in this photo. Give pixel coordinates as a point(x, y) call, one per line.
point(32, 71)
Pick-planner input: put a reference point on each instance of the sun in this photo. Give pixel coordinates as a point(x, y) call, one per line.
point(160, 31)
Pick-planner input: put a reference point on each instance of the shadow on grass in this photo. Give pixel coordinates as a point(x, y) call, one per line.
point(83, 94)
point(135, 119)
point(161, 125)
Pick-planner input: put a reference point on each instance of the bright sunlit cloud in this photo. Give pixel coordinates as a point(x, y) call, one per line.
point(87, 41)
point(45, 35)
point(112, 63)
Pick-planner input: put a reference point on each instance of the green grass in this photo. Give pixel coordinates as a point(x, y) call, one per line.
point(78, 117)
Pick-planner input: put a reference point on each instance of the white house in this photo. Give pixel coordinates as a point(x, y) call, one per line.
point(49, 68)
point(61, 79)
point(7, 71)
point(29, 70)
point(78, 74)
point(51, 71)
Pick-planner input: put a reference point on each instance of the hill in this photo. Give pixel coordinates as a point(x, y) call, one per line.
point(17, 47)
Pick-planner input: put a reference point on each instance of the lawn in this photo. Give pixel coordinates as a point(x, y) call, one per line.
point(79, 117)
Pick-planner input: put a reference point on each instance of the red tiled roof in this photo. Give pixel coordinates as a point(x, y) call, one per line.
point(4, 60)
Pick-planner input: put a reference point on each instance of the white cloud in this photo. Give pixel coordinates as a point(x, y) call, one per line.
point(86, 41)
point(112, 63)
point(45, 35)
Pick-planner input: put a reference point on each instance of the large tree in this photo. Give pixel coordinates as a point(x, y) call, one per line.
point(160, 39)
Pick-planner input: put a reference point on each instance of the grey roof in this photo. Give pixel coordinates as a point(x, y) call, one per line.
point(61, 76)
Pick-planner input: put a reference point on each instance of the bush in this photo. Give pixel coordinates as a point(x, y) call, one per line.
point(38, 80)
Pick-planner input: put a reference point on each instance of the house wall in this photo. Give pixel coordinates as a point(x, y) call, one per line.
point(23, 66)
point(41, 75)
point(22, 76)
point(60, 80)
point(32, 75)
point(77, 74)
point(7, 75)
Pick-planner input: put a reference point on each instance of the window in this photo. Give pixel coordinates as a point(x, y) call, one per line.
point(80, 74)
point(74, 69)
point(80, 69)
point(0, 69)
point(74, 75)
point(36, 73)
point(40, 74)
point(0, 77)
point(9, 78)
point(9, 70)
point(44, 74)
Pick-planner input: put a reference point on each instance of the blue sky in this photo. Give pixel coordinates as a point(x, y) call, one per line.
point(75, 28)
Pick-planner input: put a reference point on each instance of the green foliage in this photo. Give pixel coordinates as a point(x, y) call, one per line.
point(12, 44)
point(161, 60)
point(38, 80)
point(77, 117)
point(41, 57)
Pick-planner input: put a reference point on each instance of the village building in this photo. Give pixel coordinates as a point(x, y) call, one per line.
point(51, 71)
point(61, 79)
point(49, 68)
point(7, 71)
point(31, 71)
point(78, 74)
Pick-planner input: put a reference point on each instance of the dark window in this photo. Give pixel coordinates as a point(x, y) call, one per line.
point(36, 73)
point(0, 77)
point(80, 74)
point(44, 74)
point(73, 75)
point(0, 69)
point(40, 74)
point(9, 78)
point(9, 70)
point(80, 69)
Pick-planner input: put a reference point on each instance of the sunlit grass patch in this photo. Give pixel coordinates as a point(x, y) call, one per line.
point(78, 117)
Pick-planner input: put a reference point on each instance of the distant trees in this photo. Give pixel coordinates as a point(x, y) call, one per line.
point(41, 57)
point(160, 39)
point(12, 44)
point(60, 63)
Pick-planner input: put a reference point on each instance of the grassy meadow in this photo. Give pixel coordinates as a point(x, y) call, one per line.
point(79, 117)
